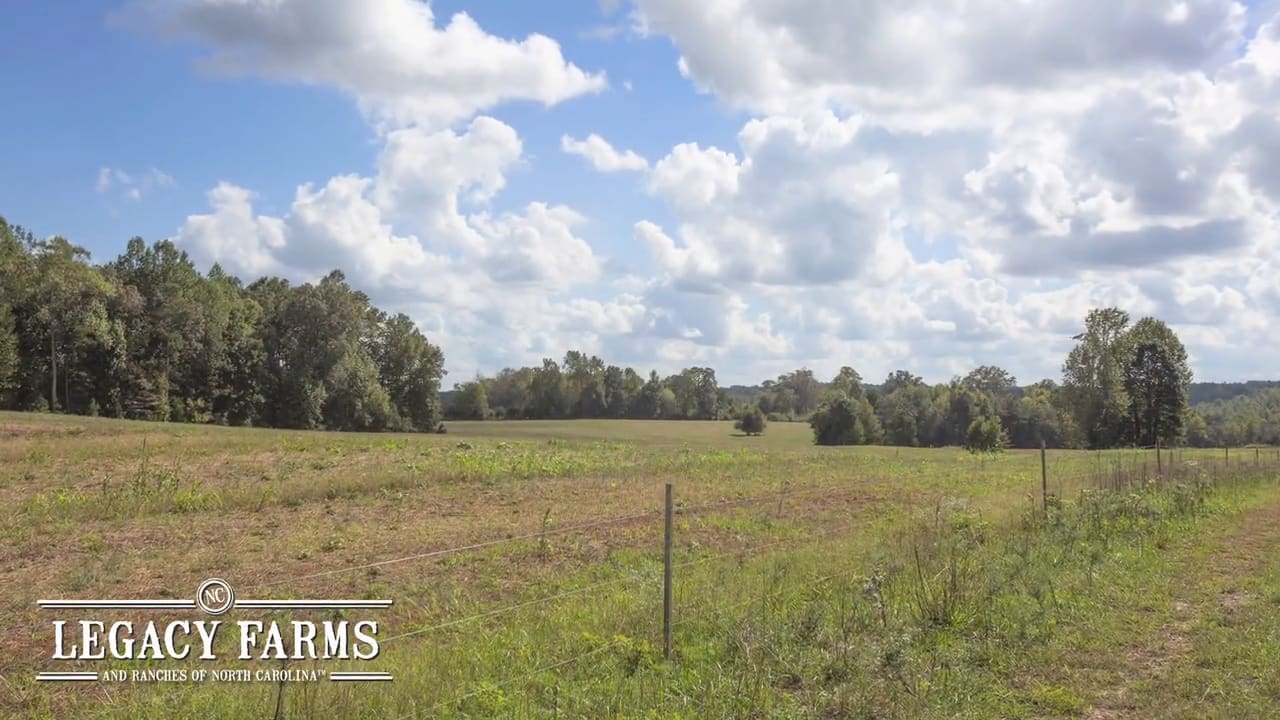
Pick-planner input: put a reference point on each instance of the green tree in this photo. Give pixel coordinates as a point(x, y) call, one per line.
point(847, 382)
point(1156, 379)
point(547, 391)
point(796, 392)
point(696, 393)
point(616, 398)
point(900, 379)
point(911, 415)
point(8, 352)
point(1093, 378)
point(835, 422)
point(354, 400)
point(991, 380)
point(68, 293)
point(470, 401)
point(410, 368)
point(1037, 419)
point(648, 401)
point(668, 405)
point(509, 393)
point(751, 422)
point(984, 435)
point(584, 384)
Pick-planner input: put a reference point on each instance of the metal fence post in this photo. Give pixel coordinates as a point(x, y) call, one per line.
point(1044, 481)
point(666, 574)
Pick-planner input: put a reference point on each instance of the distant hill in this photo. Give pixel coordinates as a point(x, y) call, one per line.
point(1211, 392)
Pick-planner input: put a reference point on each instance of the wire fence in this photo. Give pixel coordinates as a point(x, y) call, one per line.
point(1129, 470)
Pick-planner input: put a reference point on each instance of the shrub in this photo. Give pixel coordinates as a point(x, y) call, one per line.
point(835, 422)
point(751, 421)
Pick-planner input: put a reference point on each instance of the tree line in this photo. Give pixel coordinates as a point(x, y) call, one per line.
point(1124, 384)
point(583, 386)
point(147, 336)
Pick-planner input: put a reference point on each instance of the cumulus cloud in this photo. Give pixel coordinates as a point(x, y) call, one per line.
point(763, 54)
point(931, 185)
point(601, 155)
point(345, 224)
point(1064, 156)
point(801, 206)
point(394, 56)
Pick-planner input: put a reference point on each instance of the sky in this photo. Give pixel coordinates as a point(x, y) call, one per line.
point(753, 185)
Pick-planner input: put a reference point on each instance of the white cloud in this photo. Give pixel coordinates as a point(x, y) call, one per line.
point(1057, 149)
point(345, 224)
point(233, 235)
point(602, 156)
point(802, 206)
point(133, 187)
point(764, 54)
point(913, 186)
point(393, 56)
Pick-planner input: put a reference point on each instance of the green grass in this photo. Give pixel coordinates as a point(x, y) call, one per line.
point(810, 582)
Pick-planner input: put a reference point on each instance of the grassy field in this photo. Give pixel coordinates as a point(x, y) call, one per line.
point(524, 559)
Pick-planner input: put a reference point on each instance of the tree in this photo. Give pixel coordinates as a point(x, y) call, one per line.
point(984, 435)
point(795, 392)
point(1156, 405)
point(616, 398)
point(8, 351)
point(869, 427)
point(991, 380)
point(470, 401)
point(648, 401)
point(751, 422)
point(410, 368)
point(1037, 418)
point(584, 384)
point(911, 416)
point(1197, 430)
point(547, 396)
point(667, 404)
point(353, 399)
point(148, 336)
point(68, 293)
point(1239, 420)
point(1156, 378)
point(509, 392)
point(847, 382)
point(696, 393)
point(899, 379)
point(1093, 378)
point(835, 422)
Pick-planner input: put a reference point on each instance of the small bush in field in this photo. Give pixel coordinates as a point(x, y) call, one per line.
point(751, 422)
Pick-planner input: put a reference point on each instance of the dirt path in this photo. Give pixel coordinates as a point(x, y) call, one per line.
point(1206, 583)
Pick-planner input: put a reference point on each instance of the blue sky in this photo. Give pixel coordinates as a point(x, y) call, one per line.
point(773, 185)
point(95, 93)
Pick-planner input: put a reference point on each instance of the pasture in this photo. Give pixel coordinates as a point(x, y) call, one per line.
point(524, 560)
